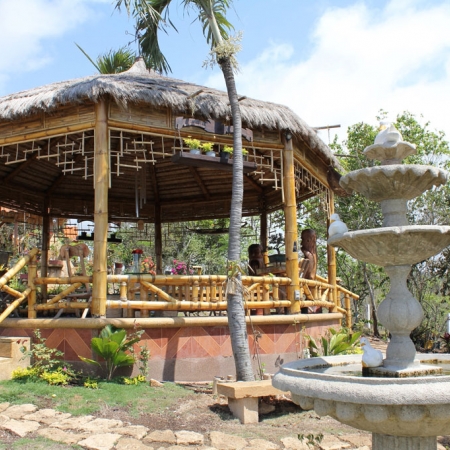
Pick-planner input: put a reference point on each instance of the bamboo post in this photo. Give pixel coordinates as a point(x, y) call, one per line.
point(263, 237)
point(32, 272)
point(158, 239)
point(348, 308)
point(131, 296)
point(143, 296)
point(101, 186)
point(291, 232)
point(45, 246)
point(331, 254)
point(123, 292)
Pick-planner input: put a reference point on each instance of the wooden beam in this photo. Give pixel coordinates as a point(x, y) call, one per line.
point(199, 181)
point(19, 169)
point(42, 134)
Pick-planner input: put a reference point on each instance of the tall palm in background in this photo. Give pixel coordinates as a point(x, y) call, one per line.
point(152, 16)
point(114, 61)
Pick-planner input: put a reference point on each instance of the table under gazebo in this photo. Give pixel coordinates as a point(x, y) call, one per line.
point(110, 148)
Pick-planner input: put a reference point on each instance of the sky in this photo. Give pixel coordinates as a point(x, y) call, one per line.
point(333, 62)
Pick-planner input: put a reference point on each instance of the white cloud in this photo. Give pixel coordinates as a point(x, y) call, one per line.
point(361, 60)
point(27, 27)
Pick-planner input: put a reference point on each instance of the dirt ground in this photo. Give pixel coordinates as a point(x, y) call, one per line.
point(203, 412)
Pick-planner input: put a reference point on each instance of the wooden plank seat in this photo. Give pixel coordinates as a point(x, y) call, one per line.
point(243, 397)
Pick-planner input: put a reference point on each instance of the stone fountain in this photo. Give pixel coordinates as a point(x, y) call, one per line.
point(405, 403)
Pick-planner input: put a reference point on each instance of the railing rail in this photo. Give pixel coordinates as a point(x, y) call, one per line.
point(174, 292)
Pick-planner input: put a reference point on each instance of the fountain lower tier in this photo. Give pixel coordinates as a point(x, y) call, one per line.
point(405, 407)
point(393, 246)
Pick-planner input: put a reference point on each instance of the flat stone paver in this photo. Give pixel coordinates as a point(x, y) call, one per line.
point(103, 441)
point(20, 427)
point(101, 424)
point(128, 443)
point(261, 444)
point(58, 435)
point(73, 423)
point(166, 436)
point(47, 416)
point(223, 441)
point(18, 411)
point(189, 438)
point(134, 431)
point(294, 444)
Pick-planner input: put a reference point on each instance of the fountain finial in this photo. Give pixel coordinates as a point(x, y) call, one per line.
point(389, 147)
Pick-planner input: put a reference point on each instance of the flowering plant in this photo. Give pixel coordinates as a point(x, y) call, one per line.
point(148, 266)
point(137, 251)
point(180, 268)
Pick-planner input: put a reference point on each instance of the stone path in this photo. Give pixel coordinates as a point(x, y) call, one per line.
point(107, 434)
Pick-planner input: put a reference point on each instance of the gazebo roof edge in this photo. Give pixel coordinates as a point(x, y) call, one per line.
point(139, 85)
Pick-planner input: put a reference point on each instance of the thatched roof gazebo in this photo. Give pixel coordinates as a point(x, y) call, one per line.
point(109, 148)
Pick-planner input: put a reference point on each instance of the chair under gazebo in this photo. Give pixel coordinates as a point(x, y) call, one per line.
point(110, 149)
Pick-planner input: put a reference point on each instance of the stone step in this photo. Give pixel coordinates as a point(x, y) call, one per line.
point(11, 357)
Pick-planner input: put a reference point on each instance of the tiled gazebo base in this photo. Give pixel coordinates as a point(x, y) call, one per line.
point(187, 353)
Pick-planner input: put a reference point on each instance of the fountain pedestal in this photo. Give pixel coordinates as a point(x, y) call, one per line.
point(403, 407)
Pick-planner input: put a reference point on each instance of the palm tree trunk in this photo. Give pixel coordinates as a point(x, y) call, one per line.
point(235, 308)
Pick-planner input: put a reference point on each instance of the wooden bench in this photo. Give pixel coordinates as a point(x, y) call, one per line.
point(243, 397)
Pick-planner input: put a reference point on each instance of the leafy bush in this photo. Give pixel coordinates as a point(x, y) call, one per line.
point(43, 358)
point(23, 374)
point(335, 342)
point(111, 345)
point(61, 376)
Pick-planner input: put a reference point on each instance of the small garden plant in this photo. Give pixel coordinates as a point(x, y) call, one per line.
point(112, 345)
point(342, 342)
point(192, 144)
point(46, 364)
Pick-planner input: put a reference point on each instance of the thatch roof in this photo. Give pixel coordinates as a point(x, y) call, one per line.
point(139, 85)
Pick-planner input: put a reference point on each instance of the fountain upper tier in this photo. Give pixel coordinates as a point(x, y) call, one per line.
point(405, 181)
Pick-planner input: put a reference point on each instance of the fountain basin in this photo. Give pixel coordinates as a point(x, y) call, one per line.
point(418, 406)
point(393, 181)
point(393, 246)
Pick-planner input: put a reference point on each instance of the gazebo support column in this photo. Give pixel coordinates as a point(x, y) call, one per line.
point(291, 232)
point(101, 186)
point(158, 239)
point(331, 253)
point(264, 235)
point(45, 246)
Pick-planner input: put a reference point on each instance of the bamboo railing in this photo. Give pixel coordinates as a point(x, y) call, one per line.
point(184, 293)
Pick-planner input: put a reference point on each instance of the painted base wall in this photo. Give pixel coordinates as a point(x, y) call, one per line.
point(193, 353)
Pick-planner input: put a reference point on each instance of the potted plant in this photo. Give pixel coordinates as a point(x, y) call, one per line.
point(207, 147)
point(225, 153)
point(276, 242)
point(245, 154)
point(193, 145)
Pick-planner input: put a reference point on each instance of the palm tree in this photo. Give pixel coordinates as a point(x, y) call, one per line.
point(114, 61)
point(152, 16)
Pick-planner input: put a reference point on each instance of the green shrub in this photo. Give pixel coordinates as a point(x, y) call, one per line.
point(43, 358)
point(23, 374)
point(58, 377)
point(111, 345)
point(134, 380)
point(334, 342)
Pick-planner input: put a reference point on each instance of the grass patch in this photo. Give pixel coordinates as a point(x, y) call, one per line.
point(40, 443)
point(77, 400)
